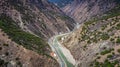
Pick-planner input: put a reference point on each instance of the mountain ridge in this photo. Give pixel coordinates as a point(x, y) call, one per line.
point(83, 10)
point(26, 12)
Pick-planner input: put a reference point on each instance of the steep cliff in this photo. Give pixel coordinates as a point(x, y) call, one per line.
point(83, 10)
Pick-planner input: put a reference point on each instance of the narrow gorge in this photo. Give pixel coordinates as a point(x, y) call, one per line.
point(59, 33)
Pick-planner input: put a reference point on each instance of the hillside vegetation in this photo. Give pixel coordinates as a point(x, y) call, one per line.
point(96, 42)
point(23, 38)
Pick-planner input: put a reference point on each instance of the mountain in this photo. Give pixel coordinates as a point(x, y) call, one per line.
point(14, 55)
point(61, 3)
point(83, 10)
point(26, 26)
point(37, 16)
point(97, 42)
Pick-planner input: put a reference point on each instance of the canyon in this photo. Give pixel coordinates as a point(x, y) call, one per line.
point(80, 33)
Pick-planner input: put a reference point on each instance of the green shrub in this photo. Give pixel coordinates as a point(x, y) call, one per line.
point(118, 27)
point(112, 39)
point(6, 53)
point(106, 52)
point(96, 63)
point(109, 56)
point(118, 50)
point(103, 27)
point(108, 64)
point(98, 57)
point(0, 48)
point(5, 44)
point(105, 36)
point(118, 40)
point(113, 53)
point(116, 62)
point(91, 21)
point(17, 58)
point(3, 63)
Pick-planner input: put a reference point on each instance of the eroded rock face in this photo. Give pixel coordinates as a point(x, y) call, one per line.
point(83, 10)
point(38, 17)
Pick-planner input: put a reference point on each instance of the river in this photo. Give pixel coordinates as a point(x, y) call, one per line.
point(64, 57)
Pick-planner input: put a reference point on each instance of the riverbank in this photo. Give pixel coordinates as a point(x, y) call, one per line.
point(64, 57)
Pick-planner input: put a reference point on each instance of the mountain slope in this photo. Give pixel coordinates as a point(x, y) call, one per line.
point(14, 55)
point(16, 43)
point(96, 42)
point(83, 10)
point(37, 16)
point(29, 24)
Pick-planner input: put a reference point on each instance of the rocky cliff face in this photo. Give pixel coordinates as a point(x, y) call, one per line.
point(83, 10)
point(37, 16)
